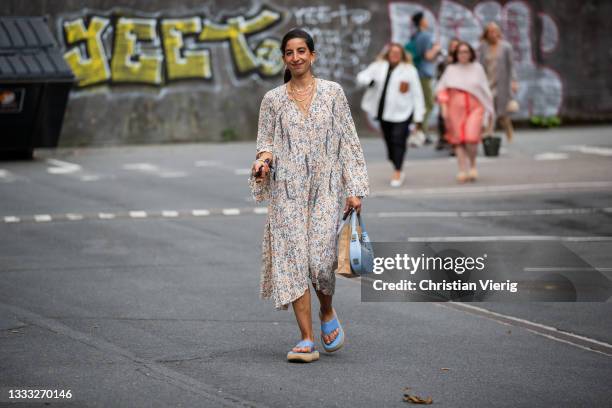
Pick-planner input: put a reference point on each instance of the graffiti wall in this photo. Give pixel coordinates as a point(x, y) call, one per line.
point(120, 49)
point(111, 48)
point(161, 71)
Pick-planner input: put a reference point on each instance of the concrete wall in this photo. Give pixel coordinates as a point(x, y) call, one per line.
point(154, 71)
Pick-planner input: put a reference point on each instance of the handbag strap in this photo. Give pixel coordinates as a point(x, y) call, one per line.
point(342, 224)
point(361, 223)
point(354, 234)
point(365, 238)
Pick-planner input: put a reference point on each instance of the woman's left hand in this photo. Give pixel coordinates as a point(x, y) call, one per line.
point(353, 202)
point(514, 86)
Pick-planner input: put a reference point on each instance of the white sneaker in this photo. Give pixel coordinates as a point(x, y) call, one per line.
point(398, 182)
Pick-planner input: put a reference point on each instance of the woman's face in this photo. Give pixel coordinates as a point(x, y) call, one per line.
point(395, 55)
point(463, 54)
point(493, 33)
point(298, 57)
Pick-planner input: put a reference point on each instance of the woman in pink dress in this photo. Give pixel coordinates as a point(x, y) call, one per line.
point(465, 101)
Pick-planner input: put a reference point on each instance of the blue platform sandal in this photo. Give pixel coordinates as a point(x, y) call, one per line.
point(328, 328)
point(303, 357)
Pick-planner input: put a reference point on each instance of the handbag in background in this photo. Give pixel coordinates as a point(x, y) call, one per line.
point(513, 106)
point(491, 145)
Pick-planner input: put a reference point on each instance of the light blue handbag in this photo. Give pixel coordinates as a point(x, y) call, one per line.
point(360, 250)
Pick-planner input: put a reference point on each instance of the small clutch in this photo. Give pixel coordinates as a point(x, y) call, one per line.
point(513, 106)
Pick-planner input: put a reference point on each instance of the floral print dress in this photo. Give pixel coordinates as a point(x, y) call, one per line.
point(318, 161)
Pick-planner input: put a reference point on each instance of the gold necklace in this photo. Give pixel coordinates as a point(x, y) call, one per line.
point(295, 98)
point(303, 91)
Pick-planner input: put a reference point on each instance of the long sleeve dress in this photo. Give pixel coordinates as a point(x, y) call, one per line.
point(318, 160)
point(500, 71)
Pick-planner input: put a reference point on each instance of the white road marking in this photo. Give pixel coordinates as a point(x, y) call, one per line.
point(493, 238)
point(549, 332)
point(6, 176)
point(200, 213)
point(398, 214)
point(42, 218)
point(154, 169)
point(565, 268)
point(494, 213)
point(173, 174)
point(417, 214)
point(551, 156)
point(576, 340)
point(11, 218)
point(62, 167)
point(508, 188)
point(206, 163)
point(260, 210)
point(90, 177)
point(599, 151)
point(141, 167)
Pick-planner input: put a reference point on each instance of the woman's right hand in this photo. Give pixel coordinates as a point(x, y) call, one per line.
point(258, 165)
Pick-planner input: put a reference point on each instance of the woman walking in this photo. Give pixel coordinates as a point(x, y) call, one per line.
point(308, 157)
point(394, 97)
point(446, 61)
point(464, 96)
point(497, 59)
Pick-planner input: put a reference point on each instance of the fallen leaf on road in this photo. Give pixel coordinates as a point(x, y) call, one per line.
point(415, 399)
point(445, 369)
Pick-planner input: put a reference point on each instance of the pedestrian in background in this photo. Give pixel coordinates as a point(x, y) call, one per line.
point(464, 96)
point(395, 98)
point(308, 158)
point(496, 56)
point(446, 60)
point(424, 53)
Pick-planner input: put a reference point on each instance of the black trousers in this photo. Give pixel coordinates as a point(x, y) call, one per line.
point(396, 135)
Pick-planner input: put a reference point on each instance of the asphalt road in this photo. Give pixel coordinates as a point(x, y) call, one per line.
point(130, 275)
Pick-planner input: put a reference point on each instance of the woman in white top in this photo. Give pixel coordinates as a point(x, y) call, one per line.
point(395, 98)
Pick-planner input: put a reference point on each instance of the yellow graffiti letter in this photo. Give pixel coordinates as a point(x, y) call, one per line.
point(270, 57)
point(235, 31)
point(182, 63)
point(93, 67)
point(127, 64)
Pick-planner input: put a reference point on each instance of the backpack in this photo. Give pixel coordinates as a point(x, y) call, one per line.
point(412, 49)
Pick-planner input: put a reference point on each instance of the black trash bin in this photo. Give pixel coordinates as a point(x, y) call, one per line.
point(491, 145)
point(34, 85)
